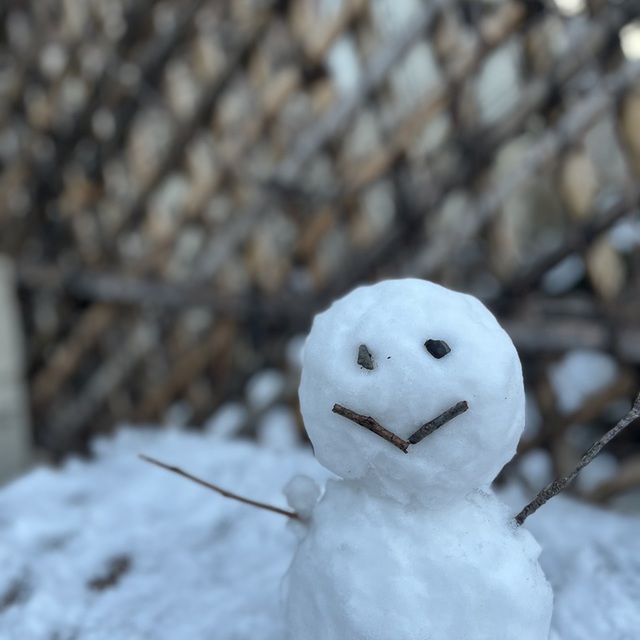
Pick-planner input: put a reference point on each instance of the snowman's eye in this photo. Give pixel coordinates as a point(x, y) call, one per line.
point(365, 359)
point(437, 348)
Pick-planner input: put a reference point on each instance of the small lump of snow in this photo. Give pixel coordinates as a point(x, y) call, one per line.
point(565, 275)
point(278, 429)
point(602, 468)
point(228, 420)
point(625, 235)
point(536, 467)
point(579, 374)
point(264, 388)
point(302, 494)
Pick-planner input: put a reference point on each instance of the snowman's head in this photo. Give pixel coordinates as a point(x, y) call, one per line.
point(405, 352)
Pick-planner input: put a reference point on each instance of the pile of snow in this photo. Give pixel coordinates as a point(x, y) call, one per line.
point(115, 548)
point(591, 557)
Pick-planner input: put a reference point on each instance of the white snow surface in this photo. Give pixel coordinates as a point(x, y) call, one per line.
point(206, 568)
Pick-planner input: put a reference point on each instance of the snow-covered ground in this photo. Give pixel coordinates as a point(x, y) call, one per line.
point(408, 547)
point(116, 549)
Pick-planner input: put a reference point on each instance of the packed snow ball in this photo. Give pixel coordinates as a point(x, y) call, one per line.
point(428, 348)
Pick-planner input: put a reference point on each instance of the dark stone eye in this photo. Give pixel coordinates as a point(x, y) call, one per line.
point(437, 348)
point(365, 359)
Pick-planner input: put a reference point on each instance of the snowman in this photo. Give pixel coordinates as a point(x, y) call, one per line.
point(412, 395)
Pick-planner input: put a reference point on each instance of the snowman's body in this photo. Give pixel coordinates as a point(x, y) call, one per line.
point(413, 546)
point(399, 572)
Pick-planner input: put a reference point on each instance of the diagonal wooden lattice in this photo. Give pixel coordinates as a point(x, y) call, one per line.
point(185, 184)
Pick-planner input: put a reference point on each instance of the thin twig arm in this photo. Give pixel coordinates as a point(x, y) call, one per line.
point(559, 484)
point(213, 487)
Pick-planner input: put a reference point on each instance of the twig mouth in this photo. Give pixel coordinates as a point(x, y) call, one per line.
point(372, 425)
point(426, 429)
point(433, 425)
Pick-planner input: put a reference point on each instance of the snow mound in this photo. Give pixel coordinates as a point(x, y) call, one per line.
point(591, 557)
point(116, 549)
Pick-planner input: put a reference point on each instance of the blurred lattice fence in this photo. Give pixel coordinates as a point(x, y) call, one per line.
point(185, 183)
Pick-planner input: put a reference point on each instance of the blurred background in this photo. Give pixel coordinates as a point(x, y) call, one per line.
point(184, 183)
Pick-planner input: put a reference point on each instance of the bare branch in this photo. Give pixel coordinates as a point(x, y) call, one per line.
point(558, 485)
point(592, 406)
point(213, 487)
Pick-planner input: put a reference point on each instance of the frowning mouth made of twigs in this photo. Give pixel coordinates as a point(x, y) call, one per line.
point(426, 429)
